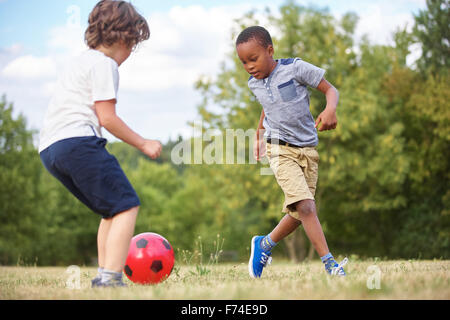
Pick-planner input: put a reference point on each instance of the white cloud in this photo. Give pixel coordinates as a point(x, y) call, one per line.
point(63, 43)
point(30, 67)
point(379, 21)
point(184, 44)
point(421, 3)
point(48, 88)
point(12, 50)
point(68, 38)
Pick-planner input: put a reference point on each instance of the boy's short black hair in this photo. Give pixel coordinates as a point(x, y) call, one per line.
point(257, 33)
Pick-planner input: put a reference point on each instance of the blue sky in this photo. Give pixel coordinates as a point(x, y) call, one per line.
point(28, 21)
point(157, 96)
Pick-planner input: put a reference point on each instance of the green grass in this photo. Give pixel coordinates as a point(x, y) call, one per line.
point(282, 280)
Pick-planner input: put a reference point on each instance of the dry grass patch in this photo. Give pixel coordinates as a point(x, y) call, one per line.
point(281, 281)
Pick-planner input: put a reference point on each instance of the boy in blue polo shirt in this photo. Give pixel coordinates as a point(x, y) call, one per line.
point(281, 88)
point(71, 146)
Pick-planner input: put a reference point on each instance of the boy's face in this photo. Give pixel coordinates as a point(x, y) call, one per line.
point(257, 60)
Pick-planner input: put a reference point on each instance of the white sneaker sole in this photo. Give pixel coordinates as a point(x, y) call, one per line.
point(250, 262)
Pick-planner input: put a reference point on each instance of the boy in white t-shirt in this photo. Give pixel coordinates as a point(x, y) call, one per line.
point(71, 146)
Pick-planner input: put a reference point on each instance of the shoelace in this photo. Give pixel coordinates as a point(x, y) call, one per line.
point(265, 259)
point(338, 269)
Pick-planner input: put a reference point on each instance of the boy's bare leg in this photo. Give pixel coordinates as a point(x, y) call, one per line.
point(102, 236)
point(285, 227)
point(312, 226)
point(119, 238)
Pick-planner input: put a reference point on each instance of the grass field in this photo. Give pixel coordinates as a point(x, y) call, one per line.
point(413, 279)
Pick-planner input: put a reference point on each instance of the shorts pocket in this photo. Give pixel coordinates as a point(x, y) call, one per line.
point(312, 154)
point(287, 90)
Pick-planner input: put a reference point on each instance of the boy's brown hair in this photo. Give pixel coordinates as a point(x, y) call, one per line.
point(114, 21)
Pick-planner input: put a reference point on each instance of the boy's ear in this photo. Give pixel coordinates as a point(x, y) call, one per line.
point(270, 50)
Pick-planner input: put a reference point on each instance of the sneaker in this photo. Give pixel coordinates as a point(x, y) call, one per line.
point(98, 277)
point(335, 269)
point(109, 284)
point(96, 281)
point(258, 258)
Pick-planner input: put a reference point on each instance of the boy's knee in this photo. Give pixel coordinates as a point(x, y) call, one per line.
point(306, 208)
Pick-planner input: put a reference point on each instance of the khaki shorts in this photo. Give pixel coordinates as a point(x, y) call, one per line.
point(296, 171)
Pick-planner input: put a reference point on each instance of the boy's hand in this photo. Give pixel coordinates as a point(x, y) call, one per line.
point(151, 148)
point(328, 116)
point(328, 119)
point(259, 149)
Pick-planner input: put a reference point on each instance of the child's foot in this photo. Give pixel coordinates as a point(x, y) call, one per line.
point(108, 279)
point(335, 269)
point(258, 258)
point(98, 277)
point(108, 284)
point(96, 281)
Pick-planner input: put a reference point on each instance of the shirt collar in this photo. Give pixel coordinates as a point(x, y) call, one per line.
point(269, 78)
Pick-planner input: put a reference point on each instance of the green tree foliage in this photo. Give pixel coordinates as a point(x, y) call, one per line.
point(433, 33)
point(19, 181)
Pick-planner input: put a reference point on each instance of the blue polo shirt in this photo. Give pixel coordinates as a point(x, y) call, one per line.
point(285, 98)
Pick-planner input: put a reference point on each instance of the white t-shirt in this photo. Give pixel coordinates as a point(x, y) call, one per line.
point(90, 77)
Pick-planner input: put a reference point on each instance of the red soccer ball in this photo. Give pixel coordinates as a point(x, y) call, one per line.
point(150, 259)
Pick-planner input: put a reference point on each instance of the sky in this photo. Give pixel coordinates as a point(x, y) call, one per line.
point(189, 39)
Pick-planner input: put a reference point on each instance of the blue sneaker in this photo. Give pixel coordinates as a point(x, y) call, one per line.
point(335, 269)
point(258, 258)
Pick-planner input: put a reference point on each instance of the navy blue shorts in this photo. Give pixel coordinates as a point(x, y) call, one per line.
point(94, 176)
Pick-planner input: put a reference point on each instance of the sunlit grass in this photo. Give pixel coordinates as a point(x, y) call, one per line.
point(282, 280)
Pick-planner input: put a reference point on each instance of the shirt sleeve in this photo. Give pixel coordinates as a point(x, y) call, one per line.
point(105, 80)
point(307, 74)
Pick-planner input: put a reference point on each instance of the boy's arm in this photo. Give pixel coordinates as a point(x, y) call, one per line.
point(260, 131)
point(259, 145)
point(328, 116)
point(106, 113)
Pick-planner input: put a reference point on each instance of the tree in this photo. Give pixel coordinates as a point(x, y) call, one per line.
point(19, 180)
point(432, 32)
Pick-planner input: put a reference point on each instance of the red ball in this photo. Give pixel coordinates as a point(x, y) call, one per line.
point(150, 259)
